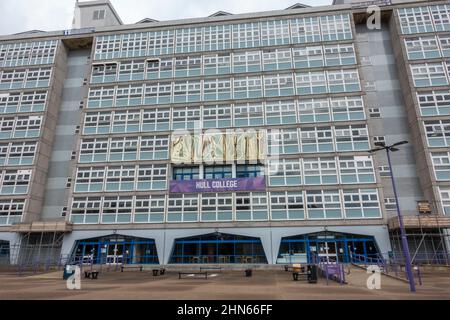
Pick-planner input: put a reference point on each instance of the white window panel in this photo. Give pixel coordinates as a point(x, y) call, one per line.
point(317, 139)
point(323, 204)
point(156, 119)
point(90, 179)
point(217, 207)
point(186, 118)
point(86, 210)
point(279, 85)
point(131, 70)
point(117, 210)
point(217, 37)
point(246, 35)
point(343, 81)
point(94, 150)
point(247, 61)
point(339, 55)
point(217, 89)
point(217, 116)
point(347, 108)
point(308, 57)
point(441, 17)
point(320, 171)
point(154, 147)
point(422, 48)
point(311, 83)
point(314, 110)
point(150, 209)
point(183, 208)
point(123, 149)
point(434, 103)
point(251, 206)
point(438, 133)
point(283, 141)
point(152, 177)
point(304, 30)
point(126, 121)
point(248, 114)
point(444, 193)
point(415, 20)
point(161, 42)
point(287, 205)
point(189, 40)
point(98, 123)
point(281, 112)
point(11, 211)
point(285, 172)
point(441, 165)
point(356, 170)
point(429, 74)
point(336, 27)
point(120, 178)
point(15, 182)
point(102, 97)
point(352, 138)
point(361, 203)
point(134, 45)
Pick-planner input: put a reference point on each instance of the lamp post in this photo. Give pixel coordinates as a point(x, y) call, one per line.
point(392, 148)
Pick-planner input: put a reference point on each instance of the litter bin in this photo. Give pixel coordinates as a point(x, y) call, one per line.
point(248, 273)
point(69, 271)
point(155, 272)
point(312, 274)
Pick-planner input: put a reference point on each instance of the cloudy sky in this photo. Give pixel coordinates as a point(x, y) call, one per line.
point(22, 15)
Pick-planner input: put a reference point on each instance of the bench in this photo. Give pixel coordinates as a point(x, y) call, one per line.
point(122, 268)
point(91, 274)
point(219, 269)
point(205, 274)
point(299, 275)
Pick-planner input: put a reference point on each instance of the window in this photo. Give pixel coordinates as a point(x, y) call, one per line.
point(217, 207)
point(249, 171)
point(390, 204)
point(99, 14)
point(438, 133)
point(126, 121)
point(415, 20)
point(188, 66)
point(248, 115)
point(117, 210)
point(217, 89)
point(216, 64)
point(183, 208)
point(187, 91)
point(7, 127)
point(251, 206)
point(189, 40)
point(318, 171)
point(129, 96)
point(314, 110)
point(86, 210)
point(134, 45)
point(89, 179)
point(94, 150)
point(428, 75)
point(123, 149)
point(317, 139)
point(441, 17)
point(152, 177)
point(120, 178)
point(281, 112)
point(9, 102)
point(246, 35)
point(217, 116)
point(311, 83)
point(385, 172)
point(21, 153)
point(217, 37)
point(277, 59)
point(38, 78)
point(27, 53)
point(356, 170)
point(304, 30)
point(434, 103)
point(279, 85)
point(247, 61)
point(441, 165)
point(160, 68)
point(323, 204)
point(161, 42)
point(352, 138)
point(149, 209)
point(444, 43)
point(275, 32)
point(361, 203)
point(97, 123)
point(158, 93)
point(308, 57)
point(154, 148)
point(284, 172)
point(186, 118)
point(15, 182)
point(218, 172)
point(11, 211)
point(347, 108)
point(336, 27)
point(422, 48)
point(33, 101)
point(340, 55)
point(108, 47)
point(375, 113)
point(283, 141)
point(12, 79)
point(445, 199)
point(156, 119)
point(343, 81)
point(186, 173)
point(379, 139)
point(132, 70)
point(102, 97)
point(287, 205)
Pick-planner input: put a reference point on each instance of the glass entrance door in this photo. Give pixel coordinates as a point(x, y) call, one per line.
point(115, 254)
point(327, 252)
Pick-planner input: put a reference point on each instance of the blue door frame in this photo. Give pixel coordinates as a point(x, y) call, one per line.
point(341, 243)
point(130, 258)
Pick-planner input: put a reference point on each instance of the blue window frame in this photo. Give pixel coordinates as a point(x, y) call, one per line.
point(249, 171)
point(186, 173)
point(218, 172)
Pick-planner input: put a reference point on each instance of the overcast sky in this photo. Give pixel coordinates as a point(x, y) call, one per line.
point(48, 15)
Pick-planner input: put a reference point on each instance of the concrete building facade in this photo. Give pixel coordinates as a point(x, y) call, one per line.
point(231, 139)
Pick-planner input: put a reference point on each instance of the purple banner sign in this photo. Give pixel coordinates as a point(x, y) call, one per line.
point(218, 185)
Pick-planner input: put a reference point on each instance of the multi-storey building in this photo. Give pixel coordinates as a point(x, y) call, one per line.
point(228, 139)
